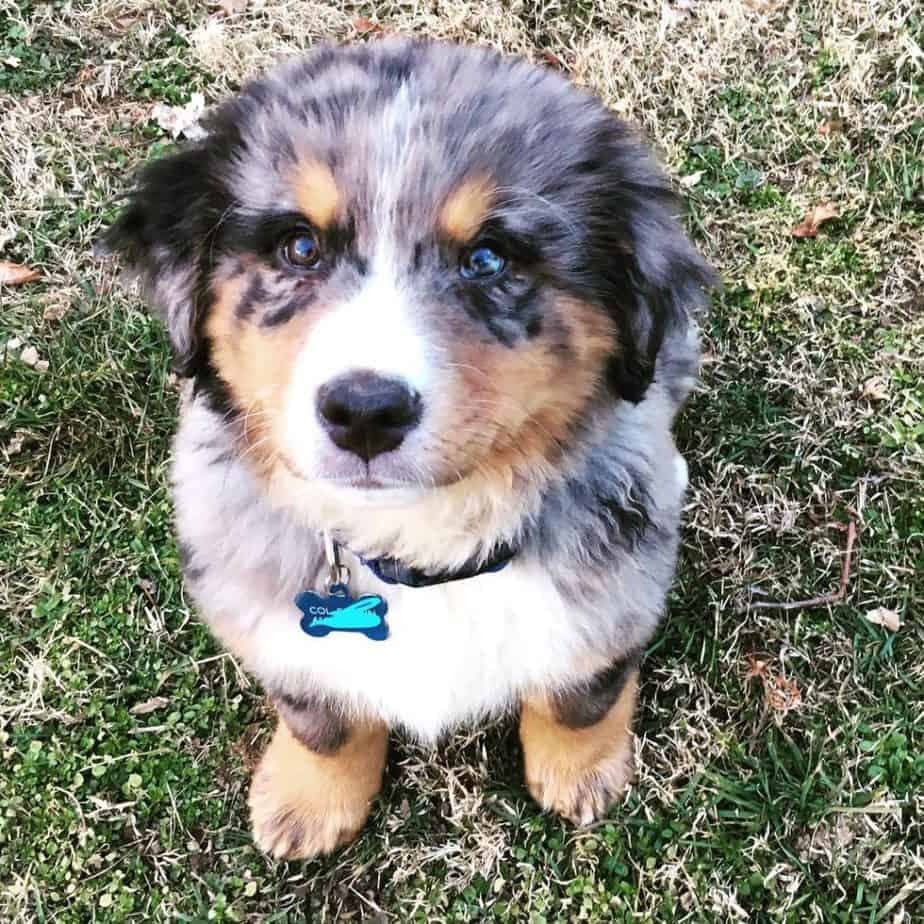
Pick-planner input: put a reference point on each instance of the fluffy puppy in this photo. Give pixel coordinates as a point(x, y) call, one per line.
point(437, 309)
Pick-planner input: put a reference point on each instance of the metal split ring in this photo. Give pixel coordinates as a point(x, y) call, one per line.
point(337, 574)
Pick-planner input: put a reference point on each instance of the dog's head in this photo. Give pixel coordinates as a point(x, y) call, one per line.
point(402, 263)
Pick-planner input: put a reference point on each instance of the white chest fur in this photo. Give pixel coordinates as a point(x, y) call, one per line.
point(455, 651)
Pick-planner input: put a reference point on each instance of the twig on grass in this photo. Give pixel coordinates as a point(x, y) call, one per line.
point(836, 596)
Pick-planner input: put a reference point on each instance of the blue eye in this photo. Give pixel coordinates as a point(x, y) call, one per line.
point(481, 262)
point(301, 250)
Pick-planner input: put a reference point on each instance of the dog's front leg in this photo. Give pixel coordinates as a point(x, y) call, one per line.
point(313, 788)
point(577, 744)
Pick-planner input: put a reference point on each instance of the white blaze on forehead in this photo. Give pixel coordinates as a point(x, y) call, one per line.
point(374, 330)
point(377, 329)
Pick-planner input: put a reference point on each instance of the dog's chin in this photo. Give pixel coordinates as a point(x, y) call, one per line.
point(374, 494)
point(386, 479)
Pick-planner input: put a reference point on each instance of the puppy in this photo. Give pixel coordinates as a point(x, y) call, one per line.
point(439, 317)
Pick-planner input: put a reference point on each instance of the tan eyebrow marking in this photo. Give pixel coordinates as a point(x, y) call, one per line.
point(316, 192)
point(467, 207)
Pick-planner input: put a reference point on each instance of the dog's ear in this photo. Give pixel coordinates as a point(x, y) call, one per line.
point(657, 279)
point(161, 235)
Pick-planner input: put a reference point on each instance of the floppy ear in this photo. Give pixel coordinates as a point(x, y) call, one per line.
point(658, 281)
point(162, 234)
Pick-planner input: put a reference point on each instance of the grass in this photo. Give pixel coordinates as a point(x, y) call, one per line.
point(782, 753)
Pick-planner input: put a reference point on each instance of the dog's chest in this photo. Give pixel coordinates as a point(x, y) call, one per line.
point(454, 651)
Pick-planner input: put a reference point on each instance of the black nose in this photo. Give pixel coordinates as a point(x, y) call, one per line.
point(368, 414)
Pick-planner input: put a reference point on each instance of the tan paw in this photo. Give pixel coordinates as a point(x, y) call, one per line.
point(583, 796)
point(578, 770)
point(298, 826)
point(303, 804)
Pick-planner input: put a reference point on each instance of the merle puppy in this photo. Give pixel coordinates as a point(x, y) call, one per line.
point(439, 317)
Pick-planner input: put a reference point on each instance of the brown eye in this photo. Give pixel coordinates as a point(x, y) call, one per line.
point(301, 250)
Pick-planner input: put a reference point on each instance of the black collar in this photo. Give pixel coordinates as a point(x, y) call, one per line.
point(392, 571)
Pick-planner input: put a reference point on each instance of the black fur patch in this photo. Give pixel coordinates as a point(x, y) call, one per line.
point(298, 302)
point(583, 706)
point(340, 239)
point(191, 572)
point(313, 721)
point(618, 520)
point(509, 309)
point(254, 296)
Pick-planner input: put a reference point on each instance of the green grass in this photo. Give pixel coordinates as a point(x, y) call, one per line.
point(744, 809)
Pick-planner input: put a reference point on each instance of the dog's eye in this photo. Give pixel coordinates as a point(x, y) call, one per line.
point(482, 262)
point(301, 250)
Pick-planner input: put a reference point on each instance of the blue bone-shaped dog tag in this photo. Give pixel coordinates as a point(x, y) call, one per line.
point(337, 611)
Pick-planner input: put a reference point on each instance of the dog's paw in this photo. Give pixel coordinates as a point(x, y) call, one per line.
point(300, 825)
point(304, 805)
point(582, 796)
point(579, 761)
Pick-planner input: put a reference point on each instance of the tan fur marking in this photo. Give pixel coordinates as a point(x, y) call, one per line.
point(530, 394)
point(316, 193)
point(304, 804)
point(468, 205)
point(257, 363)
point(578, 772)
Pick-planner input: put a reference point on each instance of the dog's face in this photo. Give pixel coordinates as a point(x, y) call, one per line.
point(400, 264)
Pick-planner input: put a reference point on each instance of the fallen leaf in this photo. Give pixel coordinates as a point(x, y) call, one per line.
point(553, 61)
point(756, 668)
point(883, 616)
point(149, 705)
point(814, 219)
point(366, 26)
point(781, 694)
point(182, 120)
point(55, 309)
point(691, 179)
point(15, 274)
point(830, 126)
point(30, 356)
point(876, 389)
point(232, 7)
